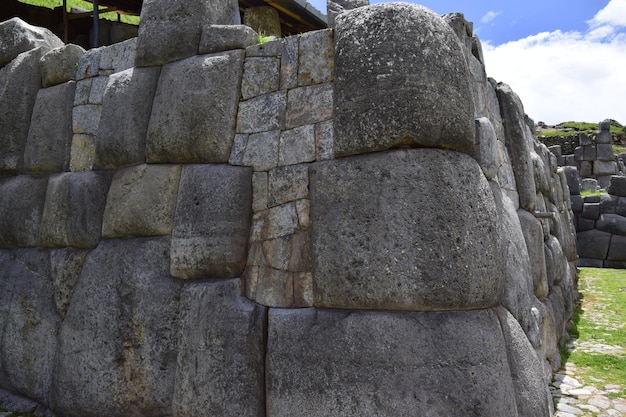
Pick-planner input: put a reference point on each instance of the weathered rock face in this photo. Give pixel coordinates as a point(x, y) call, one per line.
point(382, 240)
point(18, 37)
point(405, 85)
point(164, 225)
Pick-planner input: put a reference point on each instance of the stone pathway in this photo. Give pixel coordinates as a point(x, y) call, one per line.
point(575, 397)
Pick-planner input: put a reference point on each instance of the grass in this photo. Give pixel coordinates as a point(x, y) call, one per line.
point(618, 149)
point(590, 193)
point(133, 20)
point(600, 319)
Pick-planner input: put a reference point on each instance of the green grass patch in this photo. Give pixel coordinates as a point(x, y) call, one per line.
point(618, 149)
point(132, 20)
point(600, 320)
point(590, 193)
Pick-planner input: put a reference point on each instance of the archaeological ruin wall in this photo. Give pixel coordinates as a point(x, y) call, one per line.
point(353, 221)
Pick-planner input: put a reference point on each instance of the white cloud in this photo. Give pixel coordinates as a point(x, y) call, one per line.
point(613, 14)
point(489, 16)
point(563, 76)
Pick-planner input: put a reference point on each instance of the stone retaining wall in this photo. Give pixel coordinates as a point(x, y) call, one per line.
point(318, 225)
point(600, 224)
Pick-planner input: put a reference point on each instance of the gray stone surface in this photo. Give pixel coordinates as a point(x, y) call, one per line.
point(263, 113)
point(593, 244)
point(118, 57)
point(315, 57)
point(59, 65)
point(72, 215)
point(618, 186)
point(132, 190)
point(50, 135)
point(486, 150)
point(86, 118)
point(172, 31)
point(591, 211)
point(602, 168)
point(604, 152)
point(385, 100)
point(533, 235)
point(307, 105)
point(589, 185)
point(221, 352)
point(518, 293)
point(29, 322)
point(297, 145)
point(556, 262)
point(212, 222)
point(617, 249)
point(336, 7)
point(118, 342)
point(612, 223)
point(83, 152)
point(218, 38)
point(349, 363)
point(287, 184)
point(200, 128)
point(532, 394)
point(19, 82)
point(263, 20)
point(381, 240)
point(20, 211)
point(65, 267)
point(18, 37)
point(126, 108)
point(89, 64)
point(260, 76)
point(262, 150)
point(519, 143)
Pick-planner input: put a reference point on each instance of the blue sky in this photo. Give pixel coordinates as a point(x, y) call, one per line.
point(565, 59)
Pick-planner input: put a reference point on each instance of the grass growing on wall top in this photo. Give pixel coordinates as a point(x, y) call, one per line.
point(51, 4)
point(600, 320)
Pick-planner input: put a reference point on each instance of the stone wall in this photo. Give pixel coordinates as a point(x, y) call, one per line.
point(600, 223)
point(348, 222)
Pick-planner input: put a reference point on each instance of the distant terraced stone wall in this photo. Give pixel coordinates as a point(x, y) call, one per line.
point(347, 222)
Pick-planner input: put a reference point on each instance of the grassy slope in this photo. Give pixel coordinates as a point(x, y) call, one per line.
point(601, 319)
point(133, 20)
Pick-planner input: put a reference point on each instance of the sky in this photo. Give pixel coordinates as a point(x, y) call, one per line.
point(566, 59)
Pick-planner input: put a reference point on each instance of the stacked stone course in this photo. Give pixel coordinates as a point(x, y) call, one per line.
point(268, 230)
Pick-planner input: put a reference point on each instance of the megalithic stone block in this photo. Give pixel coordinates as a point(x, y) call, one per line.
point(401, 80)
point(200, 128)
point(21, 211)
point(50, 135)
point(171, 31)
point(363, 363)
point(404, 230)
point(212, 222)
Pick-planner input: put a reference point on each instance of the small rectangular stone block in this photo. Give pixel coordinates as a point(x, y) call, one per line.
point(297, 145)
point(259, 191)
point(275, 222)
point(96, 93)
point(85, 119)
point(89, 64)
point(591, 211)
point(289, 63)
point(83, 152)
point(260, 76)
point(263, 113)
point(287, 184)
point(316, 57)
point(309, 105)
point(212, 222)
point(618, 186)
point(324, 140)
point(604, 168)
point(589, 153)
point(83, 89)
point(604, 137)
point(119, 56)
point(271, 48)
point(261, 151)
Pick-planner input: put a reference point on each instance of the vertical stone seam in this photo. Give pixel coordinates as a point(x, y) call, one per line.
point(266, 329)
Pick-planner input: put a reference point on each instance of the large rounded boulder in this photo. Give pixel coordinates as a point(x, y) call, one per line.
point(401, 80)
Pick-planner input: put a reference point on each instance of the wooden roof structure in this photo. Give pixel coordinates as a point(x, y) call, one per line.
point(296, 16)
